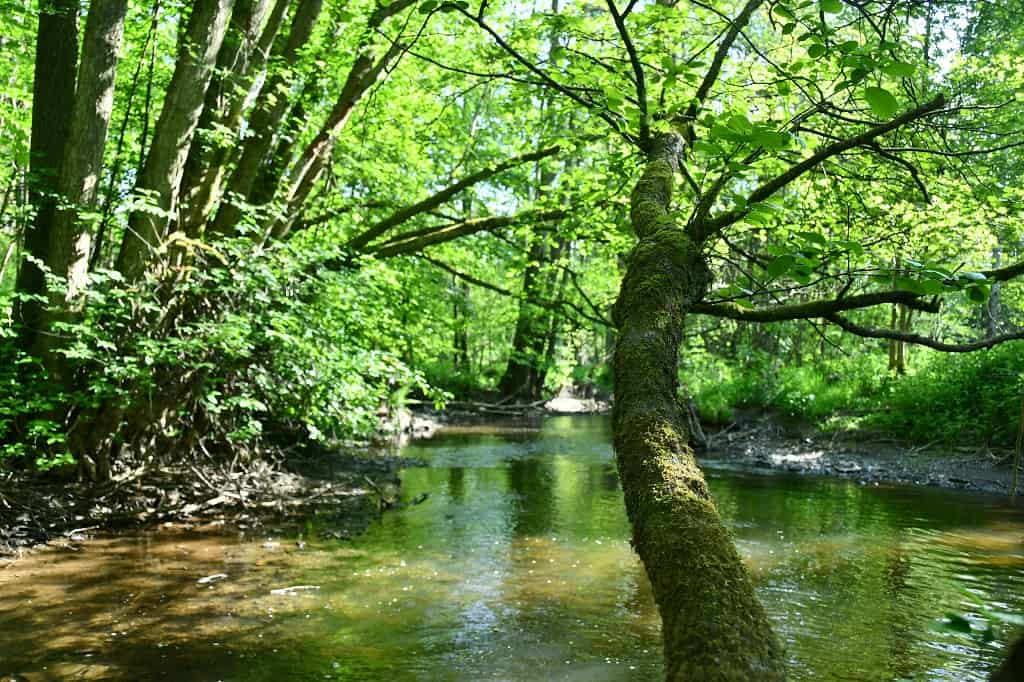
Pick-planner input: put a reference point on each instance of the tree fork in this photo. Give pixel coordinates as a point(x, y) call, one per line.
point(714, 627)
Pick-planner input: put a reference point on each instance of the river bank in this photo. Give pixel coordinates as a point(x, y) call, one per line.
point(346, 491)
point(518, 566)
point(763, 442)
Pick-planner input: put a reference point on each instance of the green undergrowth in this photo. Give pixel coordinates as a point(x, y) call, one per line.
point(944, 398)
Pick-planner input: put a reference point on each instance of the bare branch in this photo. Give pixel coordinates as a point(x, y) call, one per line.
point(737, 25)
point(419, 241)
point(814, 309)
point(548, 80)
point(638, 72)
point(360, 241)
point(550, 305)
point(906, 337)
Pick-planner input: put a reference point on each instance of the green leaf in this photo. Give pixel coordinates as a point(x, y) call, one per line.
point(784, 12)
point(830, 6)
point(881, 101)
point(814, 238)
point(816, 50)
point(704, 147)
point(956, 623)
point(770, 139)
point(978, 293)
point(428, 6)
point(740, 124)
point(780, 266)
point(899, 70)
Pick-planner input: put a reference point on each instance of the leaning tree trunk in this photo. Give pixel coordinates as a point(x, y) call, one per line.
point(713, 625)
point(165, 164)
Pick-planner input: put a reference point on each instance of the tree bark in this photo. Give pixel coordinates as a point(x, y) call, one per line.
point(522, 373)
point(53, 97)
point(238, 56)
point(714, 627)
point(69, 249)
point(266, 118)
point(172, 138)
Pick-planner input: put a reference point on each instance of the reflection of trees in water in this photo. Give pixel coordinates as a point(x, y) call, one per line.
point(457, 484)
point(896, 574)
point(531, 481)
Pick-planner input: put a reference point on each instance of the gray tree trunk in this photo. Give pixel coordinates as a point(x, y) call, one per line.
point(161, 175)
point(53, 97)
point(266, 119)
point(69, 249)
point(239, 57)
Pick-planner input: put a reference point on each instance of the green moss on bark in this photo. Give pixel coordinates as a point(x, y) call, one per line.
point(714, 627)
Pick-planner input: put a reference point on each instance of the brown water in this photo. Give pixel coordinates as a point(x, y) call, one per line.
point(518, 568)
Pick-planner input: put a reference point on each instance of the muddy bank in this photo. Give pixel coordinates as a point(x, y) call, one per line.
point(765, 443)
point(344, 491)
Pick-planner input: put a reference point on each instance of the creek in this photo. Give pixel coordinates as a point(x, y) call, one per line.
point(518, 567)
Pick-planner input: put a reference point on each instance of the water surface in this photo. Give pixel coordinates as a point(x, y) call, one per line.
point(518, 567)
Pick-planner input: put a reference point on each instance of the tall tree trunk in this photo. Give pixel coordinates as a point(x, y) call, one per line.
point(172, 138)
point(460, 323)
point(365, 71)
point(69, 249)
point(53, 97)
point(993, 309)
point(266, 119)
point(522, 373)
point(238, 56)
point(714, 627)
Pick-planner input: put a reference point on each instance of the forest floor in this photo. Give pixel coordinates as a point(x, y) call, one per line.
point(762, 441)
point(345, 492)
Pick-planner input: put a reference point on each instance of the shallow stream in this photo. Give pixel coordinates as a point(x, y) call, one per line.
point(517, 567)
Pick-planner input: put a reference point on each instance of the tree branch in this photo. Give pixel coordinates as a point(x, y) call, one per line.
point(638, 72)
point(1004, 274)
point(548, 80)
point(775, 184)
point(814, 309)
point(360, 241)
point(415, 243)
point(737, 25)
point(550, 305)
point(919, 340)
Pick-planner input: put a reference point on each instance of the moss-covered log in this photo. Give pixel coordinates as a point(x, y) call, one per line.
point(714, 627)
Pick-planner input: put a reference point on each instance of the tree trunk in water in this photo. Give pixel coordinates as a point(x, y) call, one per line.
point(53, 98)
point(713, 625)
point(172, 138)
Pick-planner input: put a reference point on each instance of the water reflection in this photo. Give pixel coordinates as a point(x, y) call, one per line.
point(518, 567)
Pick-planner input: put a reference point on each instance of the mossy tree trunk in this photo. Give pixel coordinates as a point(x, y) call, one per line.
point(714, 627)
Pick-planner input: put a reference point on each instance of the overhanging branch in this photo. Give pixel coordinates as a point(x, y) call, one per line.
point(865, 138)
point(814, 309)
point(359, 242)
point(550, 305)
point(419, 240)
point(906, 337)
